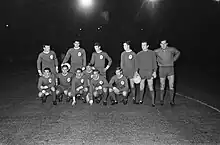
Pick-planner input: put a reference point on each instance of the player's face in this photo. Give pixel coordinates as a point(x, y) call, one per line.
point(97, 48)
point(125, 46)
point(163, 45)
point(118, 73)
point(76, 44)
point(95, 75)
point(47, 48)
point(144, 46)
point(78, 74)
point(88, 68)
point(46, 73)
point(64, 69)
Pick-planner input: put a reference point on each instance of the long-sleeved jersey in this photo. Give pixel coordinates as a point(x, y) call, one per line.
point(47, 60)
point(43, 81)
point(146, 60)
point(98, 60)
point(64, 80)
point(78, 56)
point(128, 63)
point(167, 57)
point(119, 83)
point(79, 82)
point(100, 82)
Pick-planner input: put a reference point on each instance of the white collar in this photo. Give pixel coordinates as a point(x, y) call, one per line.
point(129, 50)
point(76, 48)
point(120, 77)
point(97, 78)
point(99, 51)
point(64, 74)
point(46, 52)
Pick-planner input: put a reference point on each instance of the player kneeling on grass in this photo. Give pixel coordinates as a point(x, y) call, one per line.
point(64, 80)
point(80, 87)
point(119, 86)
point(46, 86)
point(99, 87)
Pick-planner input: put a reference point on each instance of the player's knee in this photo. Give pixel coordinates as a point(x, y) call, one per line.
point(95, 93)
point(65, 92)
point(86, 89)
point(142, 86)
point(40, 94)
point(110, 90)
point(105, 90)
point(57, 92)
point(53, 89)
point(47, 93)
point(69, 94)
point(124, 93)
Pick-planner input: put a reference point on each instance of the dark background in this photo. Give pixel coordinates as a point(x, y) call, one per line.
point(192, 26)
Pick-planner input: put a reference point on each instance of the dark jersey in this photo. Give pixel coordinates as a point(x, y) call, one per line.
point(43, 81)
point(79, 82)
point(119, 83)
point(98, 59)
point(47, 60)
point(65, 80)
point(78, 56)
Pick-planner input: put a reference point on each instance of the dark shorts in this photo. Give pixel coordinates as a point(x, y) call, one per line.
point(129, 73)
point(61, 89)
point(145, 74)
point(74, 67)
point(165, 71)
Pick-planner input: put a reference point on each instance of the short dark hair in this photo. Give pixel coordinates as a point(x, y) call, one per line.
point(47, 68)
point(79, 69)
point(65, 66)
point(97, 44)
point(128, 42)
point(119, 68)
point(96, 70)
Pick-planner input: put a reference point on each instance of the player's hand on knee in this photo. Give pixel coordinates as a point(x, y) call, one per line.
point(52, 89)
point(110, 90)
point(105, 90)
point(116, 90)
point(86, 89)
point(69, 94)
point(40, 94)
point(65, 92)
point(124, 93)
point(57, 92)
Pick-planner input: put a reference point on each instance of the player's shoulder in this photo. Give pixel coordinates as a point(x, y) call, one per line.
point(157, 50)
point(113, 77)
point(171, 48)
point(52, 51)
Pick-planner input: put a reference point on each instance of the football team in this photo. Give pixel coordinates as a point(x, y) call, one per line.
point(79, 81)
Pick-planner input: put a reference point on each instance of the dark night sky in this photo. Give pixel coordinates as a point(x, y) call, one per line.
point(190, 25)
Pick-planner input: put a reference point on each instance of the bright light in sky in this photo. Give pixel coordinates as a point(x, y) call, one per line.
point(6, 25)
point(86, 3)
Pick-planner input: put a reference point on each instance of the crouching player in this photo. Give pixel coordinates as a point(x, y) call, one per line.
point(119, 86)
point(64, 80)
point(99, 87)
point(46, 86)
point(80, 87)
point(88, 72)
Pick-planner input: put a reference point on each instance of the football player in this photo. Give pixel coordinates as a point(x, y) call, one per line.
point(166, 57)
point(98, 86)
point(98, 60)
point(78, 57)
point(146, 66)
point(46, 86)
point(47, 59)
point(119, 86)
point(63, 81)
point(80, 87)
point(128, 66)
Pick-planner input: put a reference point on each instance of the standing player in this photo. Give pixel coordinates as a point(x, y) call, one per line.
point(128, 66)
point(166, 56)
point(119, 86)
point(63, 81)
point(98, 60)
point(78, 57)
point(146, 66)
point(46, 86)
point(47, 59)
point(99, 87)
point(80, 87)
